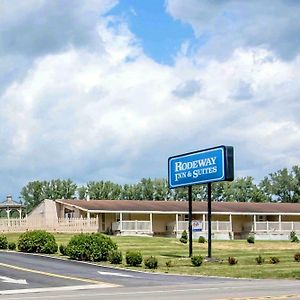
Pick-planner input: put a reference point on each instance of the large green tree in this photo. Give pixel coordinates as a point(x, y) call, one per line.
point(36, 191)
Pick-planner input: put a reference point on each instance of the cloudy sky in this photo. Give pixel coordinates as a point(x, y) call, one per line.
point(107, 89)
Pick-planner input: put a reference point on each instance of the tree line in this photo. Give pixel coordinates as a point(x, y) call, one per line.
point(280, 186)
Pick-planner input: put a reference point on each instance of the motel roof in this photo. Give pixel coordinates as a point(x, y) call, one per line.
point(181, 206)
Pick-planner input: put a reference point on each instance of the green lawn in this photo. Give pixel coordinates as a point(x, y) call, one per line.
point(166, 249)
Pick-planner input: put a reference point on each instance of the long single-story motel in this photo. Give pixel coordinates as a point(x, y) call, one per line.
point(230, 220)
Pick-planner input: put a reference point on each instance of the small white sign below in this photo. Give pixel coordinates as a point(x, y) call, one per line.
point(11, 280)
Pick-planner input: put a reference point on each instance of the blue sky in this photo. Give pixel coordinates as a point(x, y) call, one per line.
point(108, 90)
point(159, 34)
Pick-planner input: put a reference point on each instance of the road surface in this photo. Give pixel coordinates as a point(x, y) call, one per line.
point(28, 276)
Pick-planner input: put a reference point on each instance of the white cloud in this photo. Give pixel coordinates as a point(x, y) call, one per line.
point(227, 24)
point(111, 112)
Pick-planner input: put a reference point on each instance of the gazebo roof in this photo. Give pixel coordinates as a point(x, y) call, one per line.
point(10, 203)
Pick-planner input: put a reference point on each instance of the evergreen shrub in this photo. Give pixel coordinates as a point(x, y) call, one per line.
point(133, 258)
point(3, 241)
point(115, 257)
point(90, 247)
point(184, 237)
point(274, 260)
point(37, 241)
point(297, 257)
point(197, 260)
point(251, 239)
point(201, 240)
point(232, 260)
point(151, 262)
point(259, 260)
point(293, 237)
point(63, 249)
point(12, 246)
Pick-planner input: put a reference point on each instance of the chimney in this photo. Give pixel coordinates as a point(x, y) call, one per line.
point(87, 197)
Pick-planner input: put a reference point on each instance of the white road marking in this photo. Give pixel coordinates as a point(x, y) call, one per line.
point(115, 274)
point(56, 289)
point(11, 280)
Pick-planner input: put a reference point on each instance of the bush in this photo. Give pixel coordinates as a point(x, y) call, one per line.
point(3, 241)
point(184, 237)
point(274, 260)
point(63, 249)
point(293, 237)
point(297, 257)
point(37, 241)
point(201, 240)
point(151, 262)
point(251, 239)
point(232, 260)
point(12, 246)
point(259, 260)
point(197, 260)
point(115, 257)
point(134, 258)
point(90, 246)
point(169, 264)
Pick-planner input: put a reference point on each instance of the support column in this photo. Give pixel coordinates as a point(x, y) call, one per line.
point(20, 213)
point(176, 228)
point(203, 223)
point(279, 219)
point(121, 223)
point(88, 215)
point(254, 223)
point(209, 219)
point(151, 222)
point(8, 216)
point(190, 221)
point(230, 221)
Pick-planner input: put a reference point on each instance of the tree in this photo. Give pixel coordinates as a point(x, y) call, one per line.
point(241, 190)
point(36, 191)
point(33, 194)
point(282, 186)
point(161, 190)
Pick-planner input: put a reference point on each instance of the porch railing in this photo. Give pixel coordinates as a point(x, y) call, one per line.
point(137, 226)
point(268, 226)
point(217, 226)
point(59, 225)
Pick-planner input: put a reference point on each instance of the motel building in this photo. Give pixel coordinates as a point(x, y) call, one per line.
point(230, 220)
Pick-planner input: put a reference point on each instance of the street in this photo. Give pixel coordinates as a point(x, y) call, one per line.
point(28, 276)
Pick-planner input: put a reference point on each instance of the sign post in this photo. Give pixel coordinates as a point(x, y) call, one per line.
point(201, 167)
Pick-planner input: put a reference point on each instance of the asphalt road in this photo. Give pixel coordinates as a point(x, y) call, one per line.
point(27, 276)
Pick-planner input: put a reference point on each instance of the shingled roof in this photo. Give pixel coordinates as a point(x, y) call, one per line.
point(182, 206)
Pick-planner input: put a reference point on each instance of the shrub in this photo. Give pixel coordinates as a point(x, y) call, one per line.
point(37, 241)
point(151, 262)
point(115, 257)
point(12, 246)
point(90, 246)
point(184, 237)
point(250, 239)
point(259, 260)
point(3, 241)
point(297, 257)
point(63, 249)
point(274, 260)
point(232, 260)
point(197, 260)
point(169, 264)
point(293, 237)
point(134, 258)
point(201, 239)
